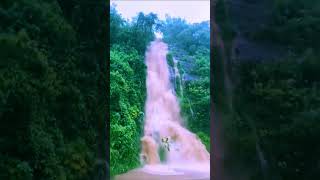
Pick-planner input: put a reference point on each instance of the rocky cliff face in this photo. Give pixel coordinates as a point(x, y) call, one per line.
point(186, 63)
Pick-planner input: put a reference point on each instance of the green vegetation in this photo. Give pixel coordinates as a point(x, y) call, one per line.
point(128, 91)
point(53, 105)
point(126, 109)
point(170, 60)
point(276, 104)
point(294, 23)
point(127, 87)
point(162, 153)
point(191, 44)
point(205, 139)
point(281, 100)
point(191, 38)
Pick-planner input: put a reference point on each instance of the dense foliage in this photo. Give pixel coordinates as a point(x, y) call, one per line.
point(189, 44)
point(276, 105)
point(188, 37)
point(53, 105)
point(281, 100)
point(127, 87)
point(294, 23)
point(197, 96)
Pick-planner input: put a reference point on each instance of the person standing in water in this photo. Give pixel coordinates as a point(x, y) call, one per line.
point(165, 141)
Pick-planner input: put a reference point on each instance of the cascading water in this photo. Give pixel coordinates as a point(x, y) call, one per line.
point(178, 76)
point(163, 120)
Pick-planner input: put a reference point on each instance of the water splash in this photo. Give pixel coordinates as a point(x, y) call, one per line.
point(163, 120)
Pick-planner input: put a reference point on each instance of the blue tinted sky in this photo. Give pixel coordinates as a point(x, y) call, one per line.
point(191, 11)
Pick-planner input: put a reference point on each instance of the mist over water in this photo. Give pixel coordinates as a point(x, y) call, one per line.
point(163, 120)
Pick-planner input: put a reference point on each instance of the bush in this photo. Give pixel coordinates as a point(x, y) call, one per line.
point(170, 60)
point(205, 139)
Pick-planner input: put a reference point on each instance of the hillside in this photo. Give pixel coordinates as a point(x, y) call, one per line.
point(272, 60)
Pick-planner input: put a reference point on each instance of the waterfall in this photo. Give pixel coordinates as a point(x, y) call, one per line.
point(163, 120)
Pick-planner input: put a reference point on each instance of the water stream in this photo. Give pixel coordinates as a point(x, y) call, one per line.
point(183, 155)
point(178, 76)
point(163, 122)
